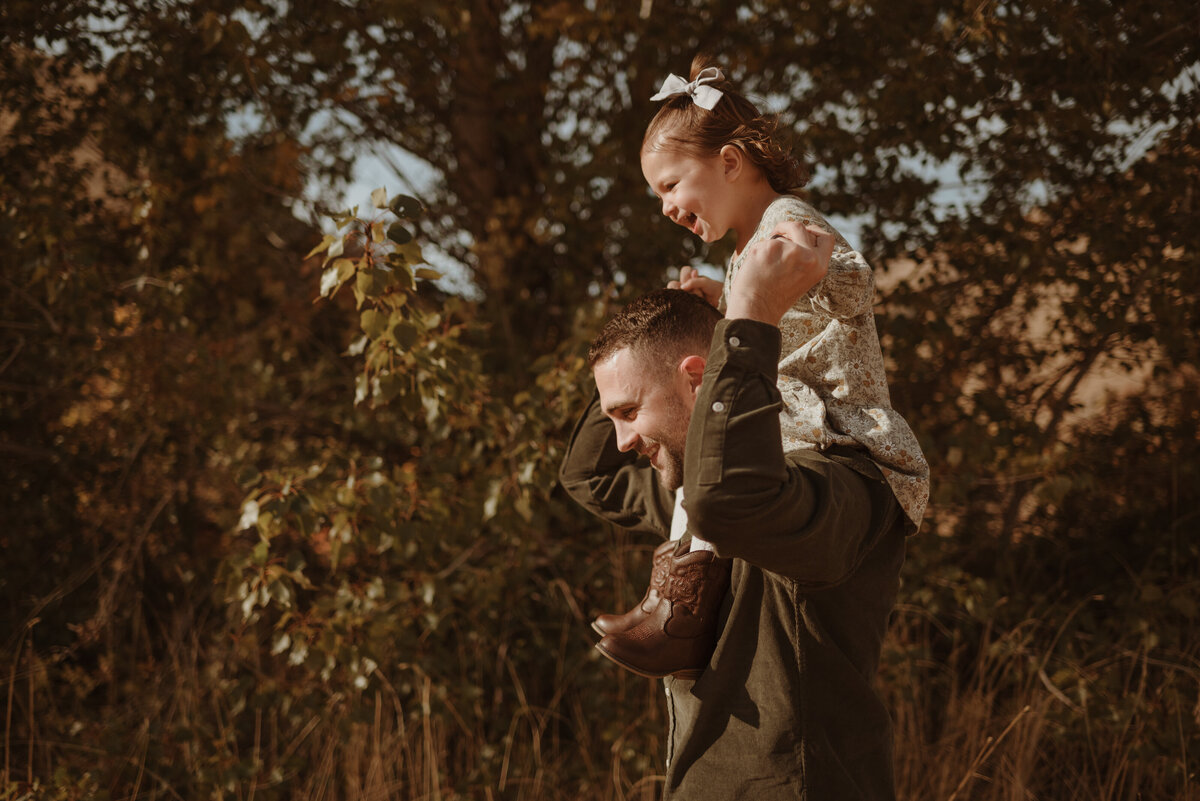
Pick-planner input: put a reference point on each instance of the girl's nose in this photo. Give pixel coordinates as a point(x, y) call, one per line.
point(669, 209)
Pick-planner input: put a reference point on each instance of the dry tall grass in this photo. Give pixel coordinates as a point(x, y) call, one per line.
point(979, 714)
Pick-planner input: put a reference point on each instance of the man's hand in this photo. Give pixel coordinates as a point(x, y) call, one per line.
point(778, 271)
point(690, 280)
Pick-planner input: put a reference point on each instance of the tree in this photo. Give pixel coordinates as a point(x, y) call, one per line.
point(407, 576)
point(154, 345)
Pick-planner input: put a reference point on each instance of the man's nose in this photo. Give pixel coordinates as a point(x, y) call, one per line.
point(627, 438)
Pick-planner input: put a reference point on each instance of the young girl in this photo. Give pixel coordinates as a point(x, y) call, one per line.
point(718, 166)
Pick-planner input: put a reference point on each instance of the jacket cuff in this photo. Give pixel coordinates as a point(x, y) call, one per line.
point(753, 345)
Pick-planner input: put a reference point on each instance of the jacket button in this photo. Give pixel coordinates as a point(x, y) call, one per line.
point(734, 341)
point(718, 407)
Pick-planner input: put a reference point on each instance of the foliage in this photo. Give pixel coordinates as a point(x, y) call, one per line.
point(376, 570)
point(258, 545)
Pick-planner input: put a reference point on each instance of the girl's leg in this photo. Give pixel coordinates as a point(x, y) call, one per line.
point(678, 517)
point(679, 526)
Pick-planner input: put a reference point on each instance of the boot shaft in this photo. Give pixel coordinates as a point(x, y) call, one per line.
point(693, 592)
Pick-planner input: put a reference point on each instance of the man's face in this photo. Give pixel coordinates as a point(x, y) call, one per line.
point(650, 407)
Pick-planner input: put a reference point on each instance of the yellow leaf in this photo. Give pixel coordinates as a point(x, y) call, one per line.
point(326, 241)
point(411, 253)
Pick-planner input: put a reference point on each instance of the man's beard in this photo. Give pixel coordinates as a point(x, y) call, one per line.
point(671, 446)
point(671, 473)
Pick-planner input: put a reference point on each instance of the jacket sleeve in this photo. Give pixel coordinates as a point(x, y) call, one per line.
point(808, 516)
point(619, 487)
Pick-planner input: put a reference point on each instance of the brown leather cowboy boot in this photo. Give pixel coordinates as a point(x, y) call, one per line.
point(661, 565)
point(678, 637)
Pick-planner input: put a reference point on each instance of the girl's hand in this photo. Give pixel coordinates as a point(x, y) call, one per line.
point(690, 280)
point(778, 271)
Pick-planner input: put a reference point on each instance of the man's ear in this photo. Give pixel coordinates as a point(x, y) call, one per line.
point(732, 161)
point(692, 367)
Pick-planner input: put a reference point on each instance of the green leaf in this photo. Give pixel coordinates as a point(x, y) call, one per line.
point(373, 323)
point(281, 592)
point(250, 513)
point(335, 248)
point(409, 253)
point(404, 334)
point(345, 269)
point(247, 477)
point(399, 234)
point(248, 604)
point(405, 206)
point(428, 274)
point(344, 218)
point(326, 241)
point(391, 385)
point(329, 281)
point(366, 284)
point(403, 276)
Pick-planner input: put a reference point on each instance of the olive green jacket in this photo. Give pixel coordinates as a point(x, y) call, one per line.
point(785, 709)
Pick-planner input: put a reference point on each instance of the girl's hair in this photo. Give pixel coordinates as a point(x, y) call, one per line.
point(682, 125)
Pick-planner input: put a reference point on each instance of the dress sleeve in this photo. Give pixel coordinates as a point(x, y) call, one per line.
point(848, 288)
point(804, 516)
point(619, 487)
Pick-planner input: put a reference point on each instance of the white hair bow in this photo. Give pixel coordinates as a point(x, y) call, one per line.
point(705, 97)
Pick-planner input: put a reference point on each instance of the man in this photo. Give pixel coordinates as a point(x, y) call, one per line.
point(785, 708)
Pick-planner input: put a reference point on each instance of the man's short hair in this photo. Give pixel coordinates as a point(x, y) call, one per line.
point(663, 326)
